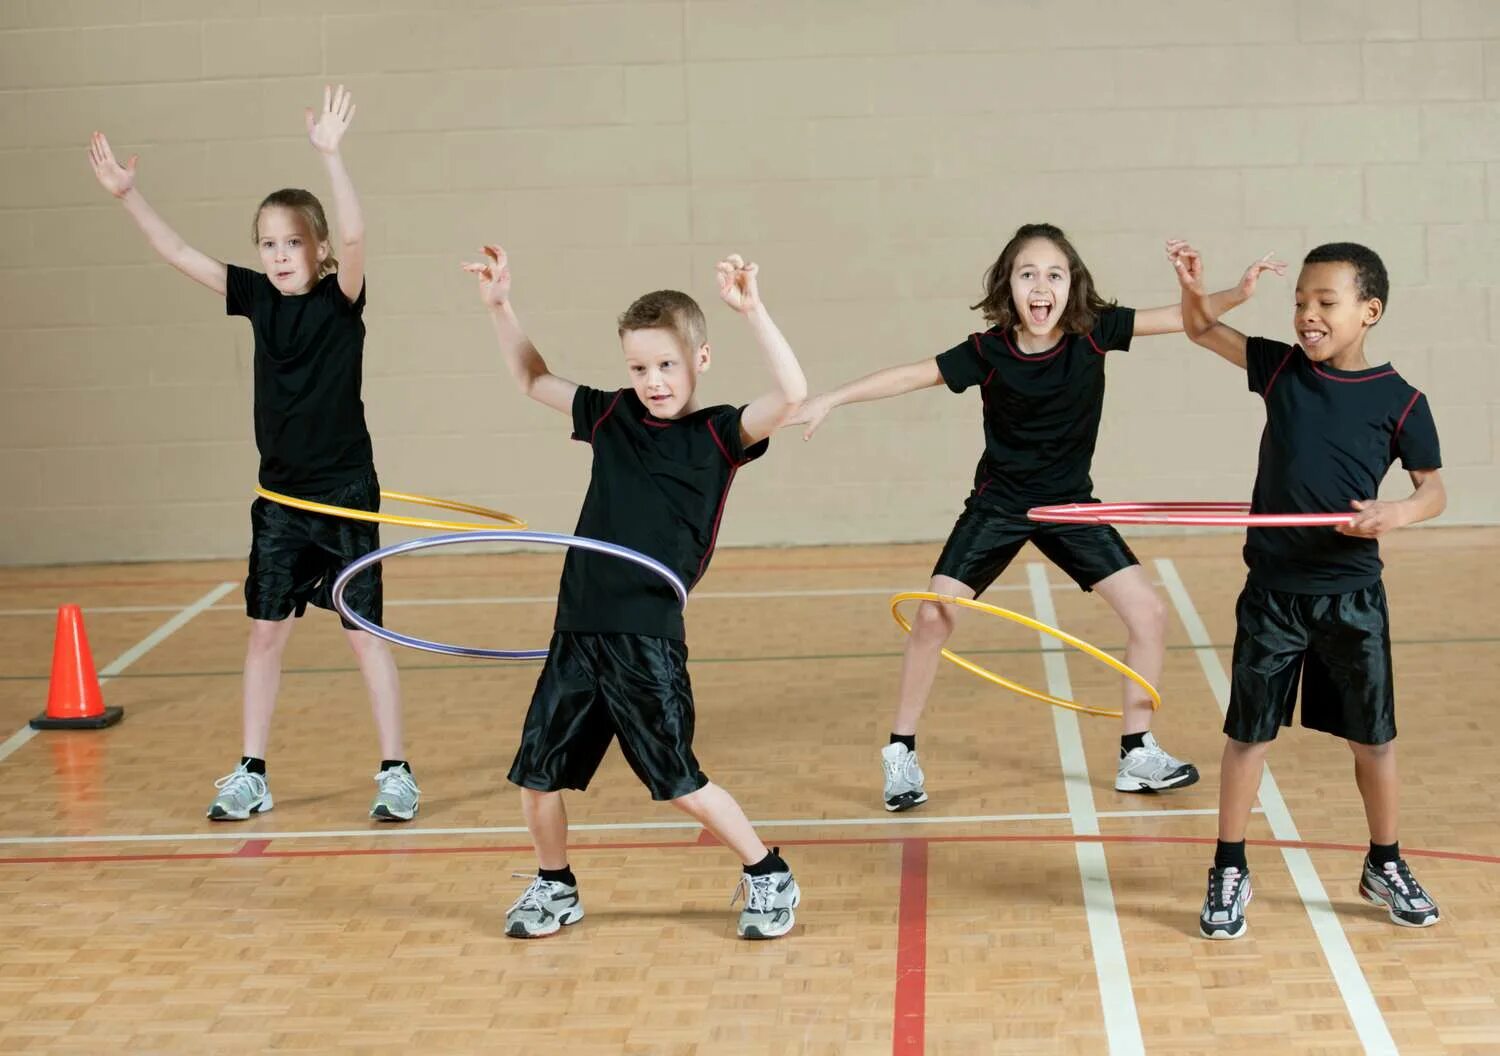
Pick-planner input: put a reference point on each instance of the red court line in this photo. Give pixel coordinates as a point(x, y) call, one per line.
point(697, 843)
point(909, 1029)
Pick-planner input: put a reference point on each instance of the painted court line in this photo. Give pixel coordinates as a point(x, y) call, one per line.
point(1365, 1013)
point(1122, 1025)
point(130, 656)
point(909, 1013)
point(235, 833)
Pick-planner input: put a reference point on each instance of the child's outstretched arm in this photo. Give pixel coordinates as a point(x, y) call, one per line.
point(119, 180)
point(326, 130)
point(1200, 321)
point(769, 412)
point(892, 381)
point(1169, 319)
point(526, 364)
point(1376, 517)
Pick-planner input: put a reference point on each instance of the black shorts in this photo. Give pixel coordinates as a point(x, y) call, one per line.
point(295, 556)
point(596, 687)
point(1337, 645)
point(984, 541)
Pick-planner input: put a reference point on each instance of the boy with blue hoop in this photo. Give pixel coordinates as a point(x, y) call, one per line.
point(1313, 610)
point(617, 662)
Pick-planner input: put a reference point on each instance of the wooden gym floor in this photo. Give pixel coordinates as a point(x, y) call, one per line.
point(1026, 908)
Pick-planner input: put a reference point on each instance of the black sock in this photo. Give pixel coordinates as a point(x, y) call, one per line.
point(771, 863)
point(1130, 741)
point(1381, 853)
point(561, 876)
point(254, 765)
point(908, 739)
point(1227, 855)
point(391, 764)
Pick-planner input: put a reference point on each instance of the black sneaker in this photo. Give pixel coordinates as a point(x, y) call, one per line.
point(1392, 886)
point(1223, 915)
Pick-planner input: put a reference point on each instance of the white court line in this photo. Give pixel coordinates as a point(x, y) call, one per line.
point(530, 599)
point(1122, 1025)
point(130, 656)
point(237, 833)
point(1369, 1023)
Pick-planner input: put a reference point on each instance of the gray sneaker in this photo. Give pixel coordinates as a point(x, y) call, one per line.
point(1150, 769)
point(903, 777)
point(769, 902)
point(543, 908)
point(240, 795)
point(1392, 886)
point(398, 797)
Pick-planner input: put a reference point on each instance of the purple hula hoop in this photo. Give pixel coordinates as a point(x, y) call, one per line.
point(598, 546)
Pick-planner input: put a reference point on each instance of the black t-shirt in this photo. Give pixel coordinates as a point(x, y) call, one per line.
point(1041, 412)
point(1330, 437)
point(658, 487)
point(309, 350)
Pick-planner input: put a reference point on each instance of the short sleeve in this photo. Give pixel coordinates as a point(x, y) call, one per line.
point(1264, 360)
point(334, 292)
point(1416, 439)
point(725, 424)
point(962, 365)
point(241, 288)
point(590, 407)
point(1114, 329)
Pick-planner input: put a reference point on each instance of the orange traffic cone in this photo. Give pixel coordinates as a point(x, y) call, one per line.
point(73, 700)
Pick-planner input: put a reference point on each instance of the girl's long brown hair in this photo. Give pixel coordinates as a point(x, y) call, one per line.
point(1084, 303)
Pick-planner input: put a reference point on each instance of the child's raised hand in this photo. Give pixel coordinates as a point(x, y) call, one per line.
point(327, 128)
point(115, 178)
point(494, 277)
point(1254, 272)
point(1188, 264)
point(737, 283)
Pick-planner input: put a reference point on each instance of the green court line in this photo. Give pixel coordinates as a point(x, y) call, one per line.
point(805, 657)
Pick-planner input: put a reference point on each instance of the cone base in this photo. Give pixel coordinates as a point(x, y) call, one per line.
point(89, 722)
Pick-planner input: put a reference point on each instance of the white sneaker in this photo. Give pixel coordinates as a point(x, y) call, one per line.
point(903, 777)
point(769, 904)
point(543, 908)
point(1150, 769)
point(240, 795)
point(398, 798)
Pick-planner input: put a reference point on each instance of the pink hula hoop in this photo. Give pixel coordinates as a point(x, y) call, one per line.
point(1197, 514)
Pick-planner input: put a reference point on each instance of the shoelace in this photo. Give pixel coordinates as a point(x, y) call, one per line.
point(758, 892)
point(233, 784)
point(535, 891)
point(1395, 875)
point(1230, 882)
point(398, 776)
point(901, 768)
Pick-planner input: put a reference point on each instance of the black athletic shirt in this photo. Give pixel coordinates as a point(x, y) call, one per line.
point(1330, 437)
point(1041, 412)
point(658, 487)
point(309, 349)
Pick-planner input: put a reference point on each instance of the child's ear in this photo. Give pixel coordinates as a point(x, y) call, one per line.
point(323, 252)
point(702, 358)
point(1372, 311)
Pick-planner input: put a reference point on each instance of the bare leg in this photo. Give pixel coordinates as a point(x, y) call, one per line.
point(1375, 774)
point(931, 628)
point(721, 815)
point(383, 682)
point(268, 640)
point(547, 821)
point(1130, 593)
point(1239, 781)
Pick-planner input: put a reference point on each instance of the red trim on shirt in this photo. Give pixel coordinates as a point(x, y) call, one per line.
point(1094, 343)
point(607, 412)
point(1402, 420)
point(1277, 373)
point(1040, 356)
point(733, 464)
point(1351, 381)
point(718, 518)
point(982, 487)
point(655, 423)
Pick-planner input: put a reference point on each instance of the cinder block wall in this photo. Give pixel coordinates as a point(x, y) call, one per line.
point(872, 156)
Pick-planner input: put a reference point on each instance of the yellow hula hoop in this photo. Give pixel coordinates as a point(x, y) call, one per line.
point(1026, 621)
point(410, 522)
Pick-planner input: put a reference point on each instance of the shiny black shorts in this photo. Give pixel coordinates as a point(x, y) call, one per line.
point(1338, 646)
point(295, 556)
point(596, 687)
point(984, 541)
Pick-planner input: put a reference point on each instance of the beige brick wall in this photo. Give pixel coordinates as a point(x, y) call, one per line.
point(873, 155)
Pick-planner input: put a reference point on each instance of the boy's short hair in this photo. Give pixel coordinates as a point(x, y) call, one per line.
point(1370, 278)
point(667, 310)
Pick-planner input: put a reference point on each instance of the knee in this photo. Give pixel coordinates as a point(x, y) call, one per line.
point(934, 622)
point(1371, 752)
point(267, 637)
point(1148, 618)
point(365, 644)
